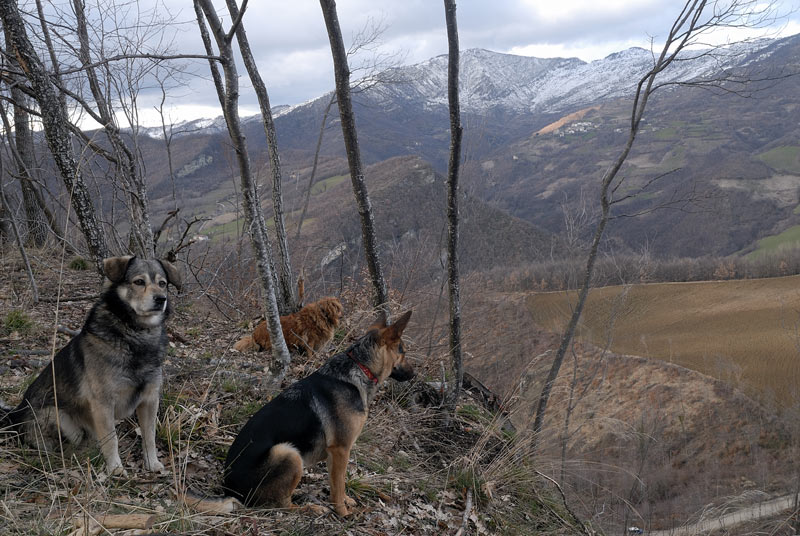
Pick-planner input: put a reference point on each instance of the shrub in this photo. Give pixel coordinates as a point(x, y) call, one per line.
point(17, 321)
point(78, 263)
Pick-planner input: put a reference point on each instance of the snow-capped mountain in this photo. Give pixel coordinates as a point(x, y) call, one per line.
point(515, 85)
point(533, 85)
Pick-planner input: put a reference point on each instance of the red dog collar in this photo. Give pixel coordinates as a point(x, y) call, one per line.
point(363, 368)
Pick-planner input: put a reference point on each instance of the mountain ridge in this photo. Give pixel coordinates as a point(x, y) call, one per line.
point(519, 80)
point(720, 144)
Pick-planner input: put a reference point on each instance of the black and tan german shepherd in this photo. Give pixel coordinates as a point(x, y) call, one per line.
point(109, 370)
point(317, 418)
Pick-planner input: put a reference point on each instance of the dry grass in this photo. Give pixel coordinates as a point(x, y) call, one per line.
point(745, 332)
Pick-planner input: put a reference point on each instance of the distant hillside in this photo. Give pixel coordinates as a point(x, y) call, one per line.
point(408, 198)
point(730, 165)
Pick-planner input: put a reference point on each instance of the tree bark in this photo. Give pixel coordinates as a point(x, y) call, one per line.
point(453, 284)
point(228, 93)
point(287, 302)
point(56, 127)
point(342, 75)
point(13, 224)
point(51, 221)
point(26, 163)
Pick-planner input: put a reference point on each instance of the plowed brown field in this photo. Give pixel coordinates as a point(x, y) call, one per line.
point(746, 332)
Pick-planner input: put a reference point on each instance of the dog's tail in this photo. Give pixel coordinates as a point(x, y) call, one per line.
point(246, 344)
point(209, 505)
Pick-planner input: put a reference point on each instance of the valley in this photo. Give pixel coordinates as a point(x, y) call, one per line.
point(631, 426)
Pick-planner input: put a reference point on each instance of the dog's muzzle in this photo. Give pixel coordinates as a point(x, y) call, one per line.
point(402, 374)
point(160, 303)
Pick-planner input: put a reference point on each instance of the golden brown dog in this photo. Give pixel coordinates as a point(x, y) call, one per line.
point(307, 330)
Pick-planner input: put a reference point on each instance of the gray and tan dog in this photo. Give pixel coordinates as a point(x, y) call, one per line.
point(110, 370)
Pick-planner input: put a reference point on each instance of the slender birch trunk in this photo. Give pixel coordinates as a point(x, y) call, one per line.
point(696, 18)
point(36, 220)
point(342, 75)
point(456, 131)
point(287, 302)
point(228, 93)
point(314, 166)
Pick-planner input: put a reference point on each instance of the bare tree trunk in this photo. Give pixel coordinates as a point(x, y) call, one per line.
point(228, 92)
point(23, 140)
point(51, 221)
point(18, 237)
point(314, 166)
point(22, 149)
point(375, 73)
point(287, 302)
point(6, 231)
point(125, 160)
point(686, 28)
point(342, 75)
point(56, 127)
point(453, 283)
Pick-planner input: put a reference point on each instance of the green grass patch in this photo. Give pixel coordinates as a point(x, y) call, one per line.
point(469, 478)
point(230, 229)
point(666, 134)
point(240, 412)
point(782, 158)
point(225, 229)
point(771, 244)
point(78, 263)
point(360, 489)
point(17, 321)
point(325, 184)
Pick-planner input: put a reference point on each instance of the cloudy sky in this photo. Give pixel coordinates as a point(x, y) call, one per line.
point(290, 44)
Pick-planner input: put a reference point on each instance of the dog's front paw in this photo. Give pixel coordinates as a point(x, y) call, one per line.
point(116, 469)
point(154, 466)
point(349, 501)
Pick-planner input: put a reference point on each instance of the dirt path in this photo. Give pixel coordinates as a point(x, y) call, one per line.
point(726, 521)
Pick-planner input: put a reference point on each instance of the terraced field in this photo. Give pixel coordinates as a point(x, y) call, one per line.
point(745, 332)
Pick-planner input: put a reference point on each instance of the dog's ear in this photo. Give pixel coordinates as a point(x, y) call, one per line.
point(173, 275)
point(115, 268)
point(380, 321)
point(401, 323)
point(396, 329)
